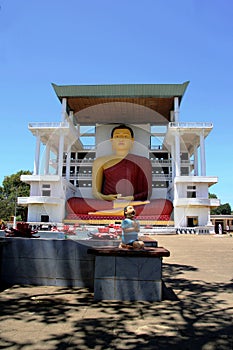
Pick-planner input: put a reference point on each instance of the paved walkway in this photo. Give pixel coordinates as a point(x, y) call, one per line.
point(196, 313)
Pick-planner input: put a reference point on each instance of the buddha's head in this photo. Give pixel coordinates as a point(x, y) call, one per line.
point(122, 138)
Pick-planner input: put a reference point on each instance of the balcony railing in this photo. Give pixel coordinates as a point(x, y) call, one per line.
point(186, 125)
point(49, 125)
point(169, 161)
point(165, 177)
point(195, 202)
point(89, 146)
point(81, 161)
point(80, 176)
point(39, 200)
point(155, 147)
point(160, 161)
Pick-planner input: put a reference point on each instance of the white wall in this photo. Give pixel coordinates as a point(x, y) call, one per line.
point(181, 214)
point(201, 189)
point(56, 213)
point(34, 189)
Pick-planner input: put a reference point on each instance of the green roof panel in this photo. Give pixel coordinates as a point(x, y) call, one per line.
point(121, 90)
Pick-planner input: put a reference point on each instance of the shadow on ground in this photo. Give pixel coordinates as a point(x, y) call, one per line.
point(193, 315)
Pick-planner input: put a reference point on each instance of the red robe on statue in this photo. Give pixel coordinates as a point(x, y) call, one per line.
point(132, 176)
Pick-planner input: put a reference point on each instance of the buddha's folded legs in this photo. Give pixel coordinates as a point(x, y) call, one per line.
point(77, 205)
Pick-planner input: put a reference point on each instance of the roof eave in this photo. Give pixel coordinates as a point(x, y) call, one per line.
point(121, 90)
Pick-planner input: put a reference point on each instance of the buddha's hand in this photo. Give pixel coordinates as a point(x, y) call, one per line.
point(126, 198)
point(108, 197)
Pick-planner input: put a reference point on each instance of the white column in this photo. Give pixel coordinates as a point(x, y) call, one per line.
point(202, 151)
point(173, 160)
point(63, 112)
point(68, 164)
point(176, 163)
point(56, 162)
point(14, 222)
point(172, 116)
point(37, 156)
point(177, 153)
point(71, 116)
point(47, 158)
point(60, 154)
point(209, 223)
point(78, 130)
point(176, 109)
point(195, 161)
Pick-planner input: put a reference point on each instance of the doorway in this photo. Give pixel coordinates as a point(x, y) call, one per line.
point(192, 221)
point(219, 226)
point(44, 218)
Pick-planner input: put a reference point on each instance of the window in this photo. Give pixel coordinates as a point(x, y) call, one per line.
point(191, 192)
point(44, 218)
point(156, 142)
point(184, 156)
point(72, 170)
point(87, 129)
point(88, 141)
point(46, 190)
point(184, 171)
point(73, 156)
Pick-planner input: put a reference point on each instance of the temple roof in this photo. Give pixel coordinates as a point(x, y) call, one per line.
point(143, 103)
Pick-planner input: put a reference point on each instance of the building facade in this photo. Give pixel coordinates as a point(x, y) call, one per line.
point(65, 151)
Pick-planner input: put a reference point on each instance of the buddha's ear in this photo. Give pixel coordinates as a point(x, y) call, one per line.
point(111, 140)
point(132, 142)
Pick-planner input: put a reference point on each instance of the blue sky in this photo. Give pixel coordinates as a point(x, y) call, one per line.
point(111, 42)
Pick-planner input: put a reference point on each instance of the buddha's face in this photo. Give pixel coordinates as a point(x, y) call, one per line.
point(122, 140)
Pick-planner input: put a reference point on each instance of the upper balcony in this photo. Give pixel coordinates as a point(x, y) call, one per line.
point(196, 202)
point(50, 133)
point(25, 201)
point(210, 180)
point(189, 134)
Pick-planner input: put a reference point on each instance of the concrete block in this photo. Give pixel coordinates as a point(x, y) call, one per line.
point(104, 289)
point(138, 268)
point(104, 266)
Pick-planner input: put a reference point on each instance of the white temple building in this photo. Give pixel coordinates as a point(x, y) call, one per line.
point(65, 151)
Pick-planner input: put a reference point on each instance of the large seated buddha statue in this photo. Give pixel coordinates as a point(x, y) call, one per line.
point(121, 179)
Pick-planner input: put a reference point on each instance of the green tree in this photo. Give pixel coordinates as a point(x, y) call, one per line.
point(224, 209)
point(212, 195)
point(12, 187)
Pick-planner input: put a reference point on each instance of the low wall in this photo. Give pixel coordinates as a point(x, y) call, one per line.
point(53, 262)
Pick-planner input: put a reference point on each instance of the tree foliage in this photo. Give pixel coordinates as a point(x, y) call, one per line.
point(212, 195)
point(223, 209)
point(12, 187)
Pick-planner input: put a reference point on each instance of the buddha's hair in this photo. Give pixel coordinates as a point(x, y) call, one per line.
point(122, 126)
